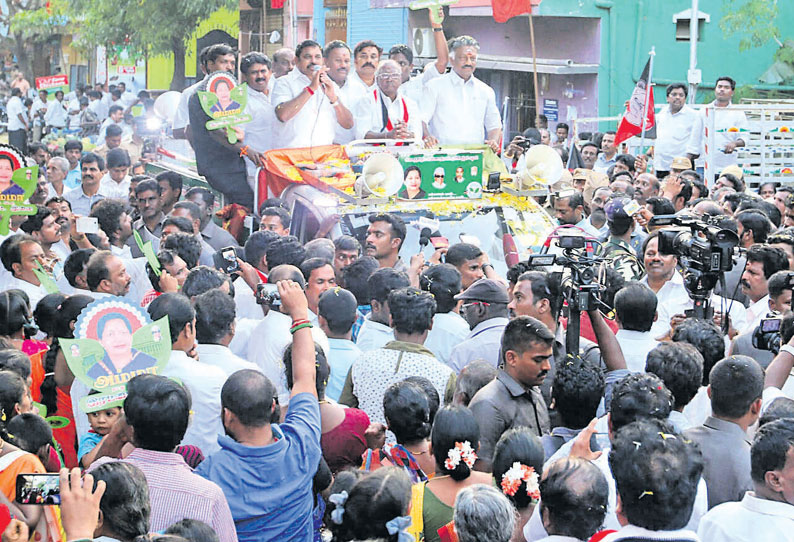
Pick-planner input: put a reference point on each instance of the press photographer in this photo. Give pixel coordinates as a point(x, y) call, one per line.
point(763, 342)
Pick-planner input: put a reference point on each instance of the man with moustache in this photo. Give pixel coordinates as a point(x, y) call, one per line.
point(414, 87)
point(337, 59)
point(513, 398)
point(385, 236)
point(212, 58)
point(308, 105)
point(458, 107)
point(283, 62)
point(255, 69)
point(674, 125)
point(366, 57)
point(385, 113)
point(88, 192)
point(598, 217)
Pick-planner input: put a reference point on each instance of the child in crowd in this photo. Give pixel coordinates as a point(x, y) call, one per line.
point(101, 423)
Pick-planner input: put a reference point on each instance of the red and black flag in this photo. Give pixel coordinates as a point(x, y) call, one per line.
point(631, 123)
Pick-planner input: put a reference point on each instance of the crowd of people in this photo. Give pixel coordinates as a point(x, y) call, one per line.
point(350, 390)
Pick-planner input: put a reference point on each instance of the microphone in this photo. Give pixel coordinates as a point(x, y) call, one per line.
point(316, 68)
point(424, 237)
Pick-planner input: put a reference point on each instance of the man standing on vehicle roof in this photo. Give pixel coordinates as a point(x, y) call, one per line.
point(307, 102)
point(385, 236)
point(458, 107)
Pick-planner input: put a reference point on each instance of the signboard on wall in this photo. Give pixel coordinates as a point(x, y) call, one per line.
point(52, 84)
point(551, 108)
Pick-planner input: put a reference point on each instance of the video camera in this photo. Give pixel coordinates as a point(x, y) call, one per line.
point(710, 252)
point(582, 290)
point(705, 251)
point(767, 336)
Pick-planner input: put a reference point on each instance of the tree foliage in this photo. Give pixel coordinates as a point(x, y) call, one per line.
point(151, 26)
point(754, 20)
point(154, 27)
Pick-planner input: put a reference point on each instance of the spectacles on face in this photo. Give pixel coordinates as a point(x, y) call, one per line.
point(466, 306)
point(438, 176)
point(389, 76)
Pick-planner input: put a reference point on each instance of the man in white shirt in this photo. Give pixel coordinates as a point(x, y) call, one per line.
point(673, 299)
point(20, 255)
point(726, 139)
point(762, 262)
point(384, 113)
point(116, 182)
point(414, 87)
point(115, 117)
point(307, 104)
point(569, 210)
point(337, 60)
point(608, 156)
point(204, 381)
point(217, 57)
point(17, 121)
point(37, 111)
point(366, 57)
point(458, 107)
point(674, 126)
point(635, 308)
point(255, 70)
point(283, 62)
point(55, 118)
point(767, 513)
point(215, 323)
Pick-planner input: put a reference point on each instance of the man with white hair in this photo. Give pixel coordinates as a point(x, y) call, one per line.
point(57, 170)
point(385, 113)
point(458, 107)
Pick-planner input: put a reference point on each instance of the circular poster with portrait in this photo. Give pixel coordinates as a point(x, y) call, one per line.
point(114, 342)
point(223, 100)
point(17, 183)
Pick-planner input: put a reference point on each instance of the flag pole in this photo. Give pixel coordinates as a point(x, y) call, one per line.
point(648, 90)
point(534, 64)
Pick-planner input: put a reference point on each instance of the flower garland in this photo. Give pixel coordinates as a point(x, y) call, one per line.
point(511, 480)
point(461, 452)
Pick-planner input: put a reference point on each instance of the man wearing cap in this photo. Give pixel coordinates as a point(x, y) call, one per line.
point(580, 176)
point(569, 210)
point(674, 126)
point(728, 126)
point(678, 166)
point(485, 309)
point(617, 249)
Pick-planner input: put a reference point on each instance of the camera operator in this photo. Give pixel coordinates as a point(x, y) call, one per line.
point(668, 284)
point(762, 262)
point(779, 303)
point(776, 380)
point(513, 156)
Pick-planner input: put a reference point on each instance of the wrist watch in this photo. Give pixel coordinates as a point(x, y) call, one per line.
point(483, 266)
point(788, 349)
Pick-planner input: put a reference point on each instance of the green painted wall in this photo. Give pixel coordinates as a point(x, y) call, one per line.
point(160, 69)
point(629, 28)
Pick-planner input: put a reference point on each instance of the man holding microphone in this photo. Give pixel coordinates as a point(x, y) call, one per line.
point(307, 102)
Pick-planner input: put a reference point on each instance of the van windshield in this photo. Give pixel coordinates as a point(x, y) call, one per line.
point(487, 226)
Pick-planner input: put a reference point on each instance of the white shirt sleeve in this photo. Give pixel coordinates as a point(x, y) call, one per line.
point(281, 92)
point(695, 144)
point(429, 102)
point(493, 119)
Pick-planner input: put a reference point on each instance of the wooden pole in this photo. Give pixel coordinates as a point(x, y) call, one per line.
point(538, 109)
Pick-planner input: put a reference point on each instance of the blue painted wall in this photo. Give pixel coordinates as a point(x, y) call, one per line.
point(385, 26)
